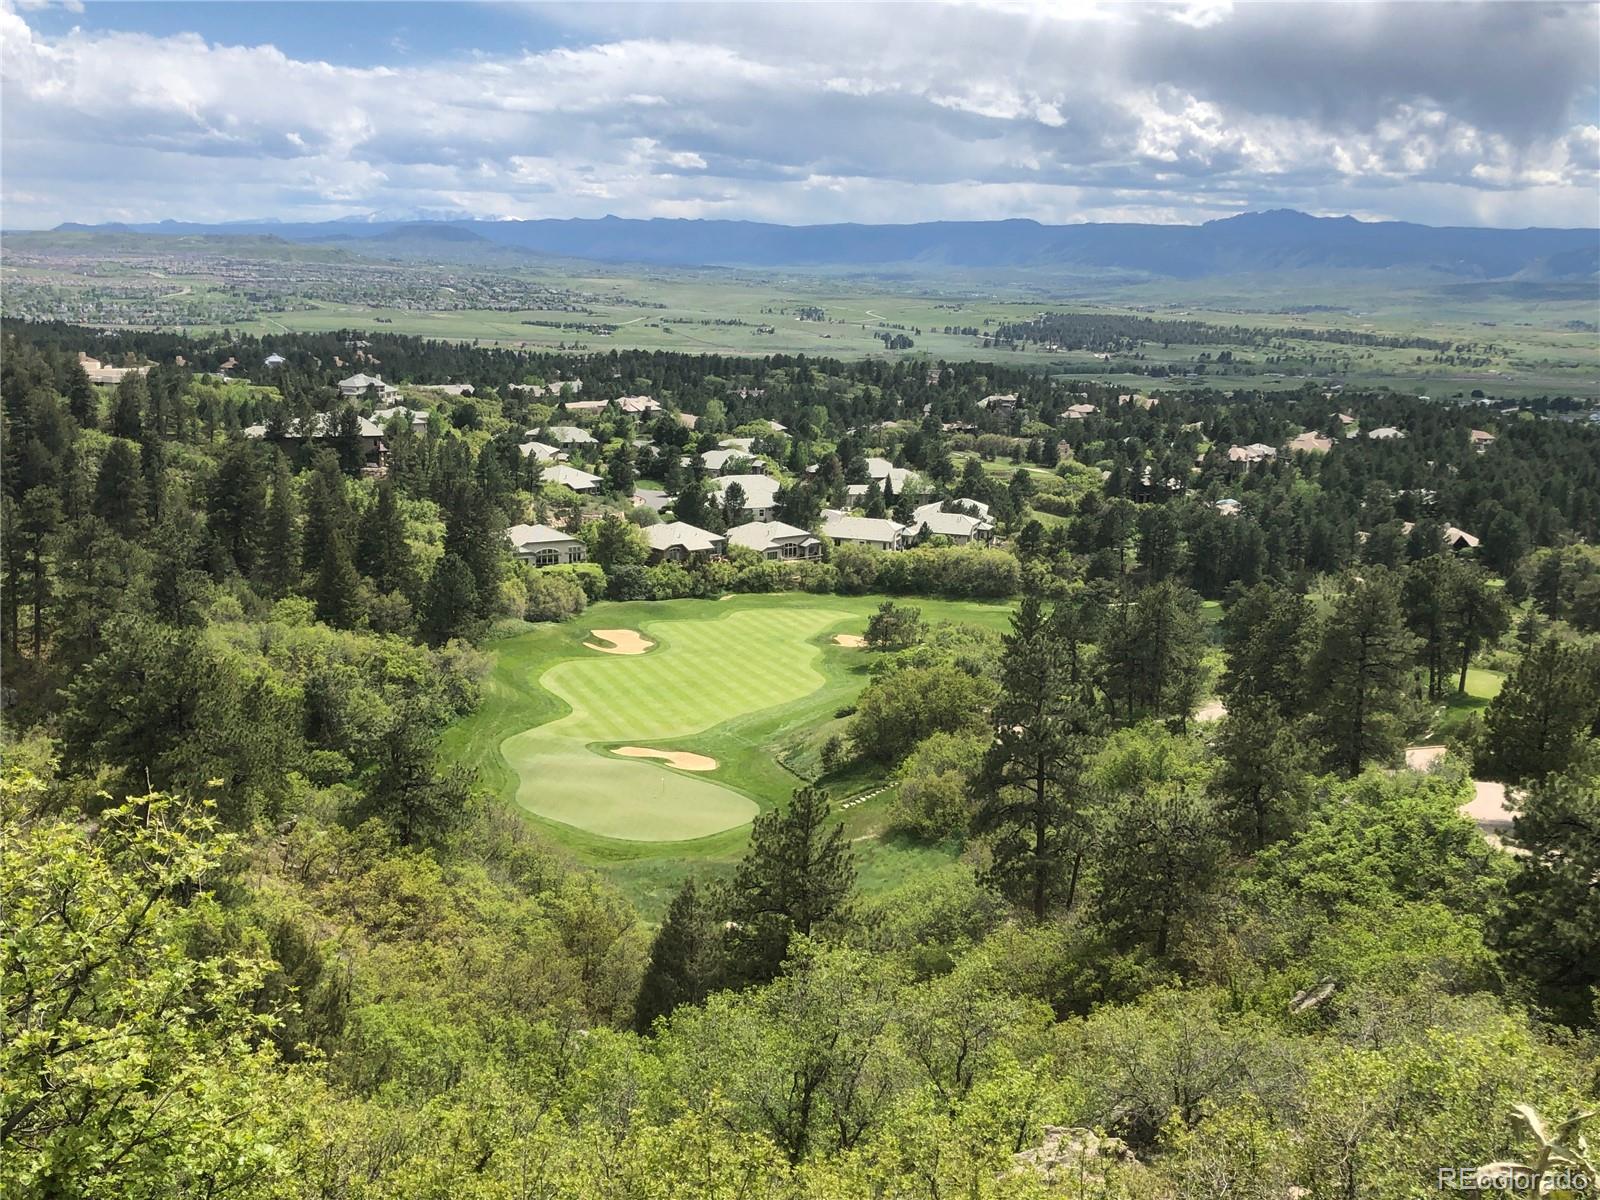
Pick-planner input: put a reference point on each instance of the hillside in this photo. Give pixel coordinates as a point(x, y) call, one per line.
point(1252, 242)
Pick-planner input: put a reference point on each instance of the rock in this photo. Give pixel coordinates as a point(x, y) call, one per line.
point(1075, 1152)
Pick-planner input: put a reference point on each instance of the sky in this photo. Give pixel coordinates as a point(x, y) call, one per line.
point(1442, 113)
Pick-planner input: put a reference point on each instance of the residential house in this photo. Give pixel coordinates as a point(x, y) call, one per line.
point(999, 402)
point(1228, 507)
point(1386, 433)
point(1459, 539)
point(1481, 439)
point(324, 428)
point(541, 451)
point(760, 494)
point(877, 532)
point(747, 444)
point(732, 461)
point(545, 547)
point(1079, 412)
point(639, 405)
point(568, 436)
point(1311, 442)
point(357, 386)
point(1249, 456)
point(578, 481)
point(98, 372)
point(451, 389)
point(774, 539)
point(274, 360)
point(417, 418)
point(958, 527)
point(881, 469)
point(678, 541)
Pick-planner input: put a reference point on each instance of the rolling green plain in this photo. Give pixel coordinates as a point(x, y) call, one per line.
point(755, 682)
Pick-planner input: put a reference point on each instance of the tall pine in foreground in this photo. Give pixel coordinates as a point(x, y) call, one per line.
point(684, 958)
point(1360, 672)
point(1033, 797)
point(797, 875)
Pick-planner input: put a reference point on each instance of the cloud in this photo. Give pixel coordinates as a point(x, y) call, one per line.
point(1437, 112)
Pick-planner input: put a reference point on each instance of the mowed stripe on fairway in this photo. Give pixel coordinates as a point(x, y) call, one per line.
point(701, 674)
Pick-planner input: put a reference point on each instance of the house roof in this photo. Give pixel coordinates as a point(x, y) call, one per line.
point(715, 460)
point(361, 382)
point(323, 425)
point(1254, 452)
point(1452, 535)
point(382, 415)
point(571, 433)
point(760, 491)
point(670, 534)
point(1386, 432)
point(746, 444)
point(933, 506)
point(1311, 442)
point(842, 526)
point(638, 404)
point(578, 481)
point(881, 469)
point(522, 536)
point(763, 535)
point(544, 453)
point(1078, 412)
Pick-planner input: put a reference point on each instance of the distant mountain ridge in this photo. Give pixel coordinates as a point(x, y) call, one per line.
point(1277, 240)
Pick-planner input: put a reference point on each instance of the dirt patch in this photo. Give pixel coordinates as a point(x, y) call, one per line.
point(1420, 758)
point(1490, 807)
point(1211, 710)
point(853, 640)
point(681, 759)
point(623, 641)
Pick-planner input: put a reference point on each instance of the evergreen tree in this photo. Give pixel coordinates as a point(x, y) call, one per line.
point(1359, 674)
point(236, 510)
point(127, 412)
point(450, 607)
point(280, 562)
point(1157, 861)
point(82, 400)
point(1475, 615)
point(1538, 722)
point(327, 515)
point(1261, 780)
point(797, 875)
point(419, 802)
point(1268, 635)
point(1033, 796)
point(684, 958)
point(383, 551)
point(38, 518)
point(119, 492)
point(338, 594)
point(1549, 927)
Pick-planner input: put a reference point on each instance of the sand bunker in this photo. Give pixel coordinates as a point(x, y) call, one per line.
point(1420, 758)
point(854, 640)
point(623, 641)
point(681, 759)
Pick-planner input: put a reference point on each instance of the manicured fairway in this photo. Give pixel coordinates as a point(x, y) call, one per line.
point(755, 682)
point(700, 674)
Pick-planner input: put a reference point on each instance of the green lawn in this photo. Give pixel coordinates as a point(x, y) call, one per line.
point(1482, 686)
point(754, 682)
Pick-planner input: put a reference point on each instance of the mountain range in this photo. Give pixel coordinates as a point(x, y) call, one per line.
point(1272, 241)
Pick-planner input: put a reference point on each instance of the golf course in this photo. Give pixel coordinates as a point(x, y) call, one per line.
point(645, 736)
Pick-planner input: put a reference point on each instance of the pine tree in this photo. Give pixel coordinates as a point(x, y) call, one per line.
point(382, 552)
point(797, 875)
point(327, 511)
point(38, 518)
point(280, 563)
point(451, 603)
point(82, 399)
point(1268, 635)
point(236, 510)
point(127, 413)
point(1359, 674)
point(119, 492)
point(1033, 797)
point(338, 594)
point(1539, 720)
point(684, 958)
point(1261, 779)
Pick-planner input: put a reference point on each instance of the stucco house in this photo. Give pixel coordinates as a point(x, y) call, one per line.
point(545, 547)
point(774, 539)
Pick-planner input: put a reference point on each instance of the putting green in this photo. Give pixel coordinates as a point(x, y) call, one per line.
point(702, 673)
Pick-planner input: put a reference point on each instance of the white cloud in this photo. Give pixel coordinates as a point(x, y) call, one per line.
point(810, 113)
